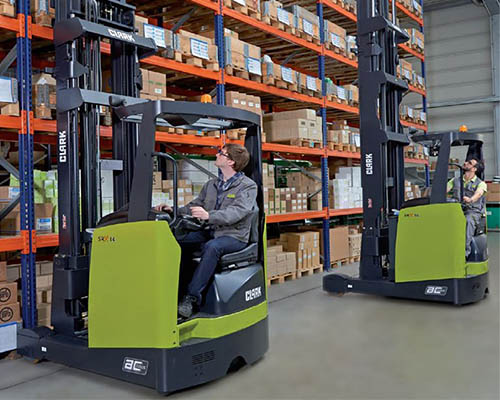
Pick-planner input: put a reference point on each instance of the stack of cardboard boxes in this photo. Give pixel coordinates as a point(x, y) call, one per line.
point(44, 95)
point(306, 22)
point(194, 49)
point(44, 278)
point(306, 247)
point(244, 102)
point(45, 196)
point(289, 126)
point(241, 56)
point(339, 243)
point(163, 191)
point(163, 38)
point(305, 185)
point(154, 85)
point(354, 241)
point(493, 193)
point(9, 305)
point(274, 14)
point(9, 104)
point(339, 132)
point(335, 37)
point(280, 262)
point(43, 14)
point(346, 190)
point(8, 8)
point(412, 191)
point(416, 41)
point(413, 115)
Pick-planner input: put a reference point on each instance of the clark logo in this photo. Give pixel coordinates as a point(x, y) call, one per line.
point(253, 294)
point(106, 239)
point(411, 215)
point(62, 146)
point(121, 35)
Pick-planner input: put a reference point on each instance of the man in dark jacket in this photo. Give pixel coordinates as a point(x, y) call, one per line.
point(473, 201)
point(226, 204)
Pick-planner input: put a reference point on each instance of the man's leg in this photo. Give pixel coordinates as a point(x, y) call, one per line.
point(472, 219)
point(212, 252)
point(190, 243)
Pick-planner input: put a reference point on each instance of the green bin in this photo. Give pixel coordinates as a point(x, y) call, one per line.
point(493, 215)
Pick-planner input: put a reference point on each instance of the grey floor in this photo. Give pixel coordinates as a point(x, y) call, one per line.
point(325, 347)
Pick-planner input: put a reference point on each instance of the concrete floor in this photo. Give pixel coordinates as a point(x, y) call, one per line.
point(325, 347)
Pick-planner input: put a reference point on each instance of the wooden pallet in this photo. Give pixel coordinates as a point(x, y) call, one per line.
point(280, 84)
point(310, 271)
point(290, 276)
point(300, 143)
point(188, 59)
point(339, 147)
point(354, 259)
point(339, 263)
point(335, 99)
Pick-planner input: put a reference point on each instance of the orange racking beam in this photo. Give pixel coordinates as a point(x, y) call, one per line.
point(9, 122)
point(413, 125)
point(295, 216)
point(9, 23)
point(339, 9)
point(408, 13)
point(411, 51)
point(345, 211)
point(417, 90)
point(283, 148)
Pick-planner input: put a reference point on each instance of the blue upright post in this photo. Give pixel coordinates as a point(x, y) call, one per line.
point(219, 42)
point(424, 101)
point(26, 169)
point(324, 158)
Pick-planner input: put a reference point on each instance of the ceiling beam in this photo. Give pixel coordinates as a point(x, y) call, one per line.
point(445, 4)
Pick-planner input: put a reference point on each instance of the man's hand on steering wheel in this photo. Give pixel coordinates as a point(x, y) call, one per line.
point(199, 212)
point(163, 208)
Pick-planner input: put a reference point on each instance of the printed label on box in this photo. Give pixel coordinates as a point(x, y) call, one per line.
point(410, 112)
point(407, 74)
point(44, 224)
point(286, 74)
point(155, 33)
point(199, 48)
point(43, 6)
point(308, 27)
point(254, 66)
point(423, 116)
point(311, 83)
point(335, 39)
point(283, 16)
point(341, 93)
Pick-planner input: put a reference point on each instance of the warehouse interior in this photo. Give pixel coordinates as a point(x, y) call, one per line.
point(91, 236)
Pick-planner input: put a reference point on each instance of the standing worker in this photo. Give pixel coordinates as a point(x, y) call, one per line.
point(474, 201)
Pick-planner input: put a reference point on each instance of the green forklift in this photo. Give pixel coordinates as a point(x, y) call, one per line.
point(116, 278)
point(410, 249)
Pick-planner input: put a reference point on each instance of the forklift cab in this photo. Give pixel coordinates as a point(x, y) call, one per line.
point(440, 145)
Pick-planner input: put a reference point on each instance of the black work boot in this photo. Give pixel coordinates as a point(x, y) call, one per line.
point(185, 308)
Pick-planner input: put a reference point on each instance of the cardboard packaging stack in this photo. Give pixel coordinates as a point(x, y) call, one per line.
point(306, 22)
point(9, 305)
point(416, 41)
point(163, 38)
point(309, 85)
point(306, 247)
point(44, 95)
point(306, 186)
point(413, 115)
point(163, 191)
point(280, 262)
point(154, 85)
point(9, 104)
point(195, 50)
point(8, 8)
point(244, 102)
point(240, 55)
point(274, 14)
point(493, 193)
point(405, 71)
point(289, 126)
point(354, 241)
point(45, 196)
point(346, 190)
point(44, 278)
point(341, 133)
point(412, 191)
point(352, 47)
point(339, 243)
point(335, 37)
point(43, 14)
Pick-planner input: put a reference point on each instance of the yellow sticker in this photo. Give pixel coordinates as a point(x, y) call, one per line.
point(231, 196)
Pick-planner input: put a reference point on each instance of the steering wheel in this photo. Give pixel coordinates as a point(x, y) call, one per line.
point(190, 223)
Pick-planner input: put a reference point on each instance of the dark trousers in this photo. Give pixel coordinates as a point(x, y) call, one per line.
point(212, 249)
point(472, 221)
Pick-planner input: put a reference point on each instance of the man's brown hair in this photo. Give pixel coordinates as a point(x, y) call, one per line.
point(238, 154)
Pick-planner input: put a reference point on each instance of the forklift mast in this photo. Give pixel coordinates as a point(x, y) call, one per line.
point(80, 27)
point(382, 136)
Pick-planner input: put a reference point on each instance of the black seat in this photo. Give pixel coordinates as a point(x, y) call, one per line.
point(420, 201)
point(245, 256)
point(481, 227)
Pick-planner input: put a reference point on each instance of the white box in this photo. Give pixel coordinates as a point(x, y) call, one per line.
point(8, 337)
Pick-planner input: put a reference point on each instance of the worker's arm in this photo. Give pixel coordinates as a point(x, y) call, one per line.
point(239, 209)
point(480, 191)
point(198, 202)
point(449, 185)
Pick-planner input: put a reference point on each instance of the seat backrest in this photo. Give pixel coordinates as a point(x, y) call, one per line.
point(254, 226)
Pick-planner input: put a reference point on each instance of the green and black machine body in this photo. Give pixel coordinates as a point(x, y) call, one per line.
point(116, 278)
point(410, 249)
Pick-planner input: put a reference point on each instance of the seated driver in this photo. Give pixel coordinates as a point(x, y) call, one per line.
point(225, 204)
point(474, 200)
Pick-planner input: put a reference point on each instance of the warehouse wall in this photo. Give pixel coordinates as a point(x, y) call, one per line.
point(458, 63)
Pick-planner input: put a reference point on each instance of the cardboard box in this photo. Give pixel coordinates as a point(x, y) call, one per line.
point(139, 24)
point(3, 271)
point(157, 182)
point(145, 81)
point(10, 109)
point(9, 313)
point(44, 90)
point(493, 187)
point(8, 90)
point(8, 292)
point(493, 197)
point(8, 10)
point(157, 84)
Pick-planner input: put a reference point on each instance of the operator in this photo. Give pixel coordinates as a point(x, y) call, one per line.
point(474, 201)
point(226, 205)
